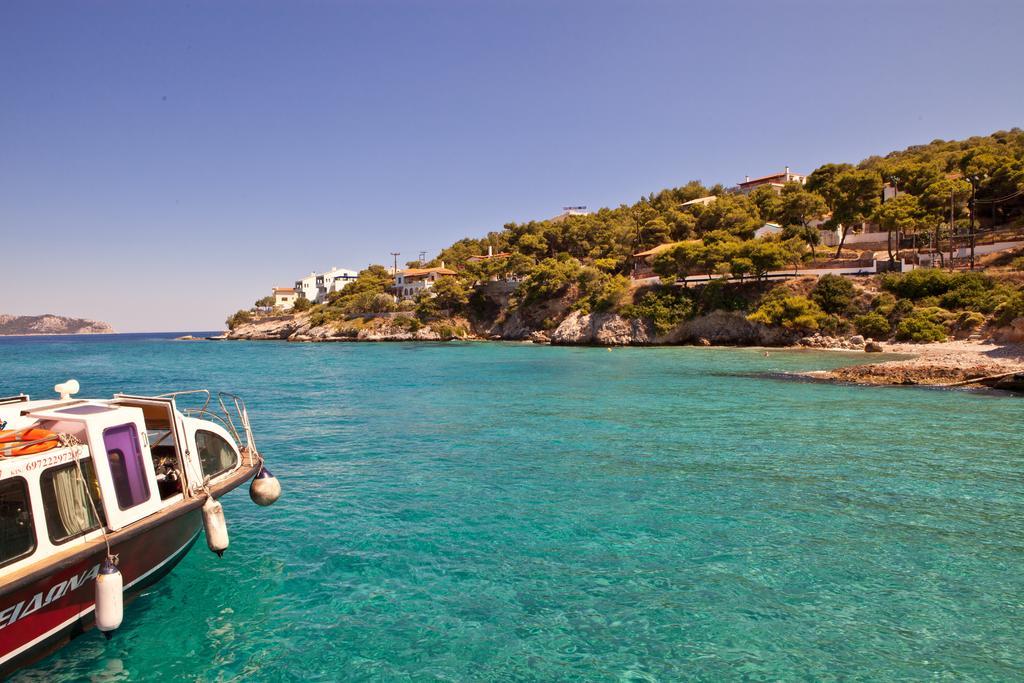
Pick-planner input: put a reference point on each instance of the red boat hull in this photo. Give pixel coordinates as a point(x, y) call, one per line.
point(44, 608)
point(38, 617)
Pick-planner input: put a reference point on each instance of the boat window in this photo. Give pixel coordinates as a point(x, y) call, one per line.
point(126, 466)
point(17, 533)
point(68, 512)
point(215, 454)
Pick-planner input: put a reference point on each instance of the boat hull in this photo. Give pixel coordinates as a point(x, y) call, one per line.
point(44, 609)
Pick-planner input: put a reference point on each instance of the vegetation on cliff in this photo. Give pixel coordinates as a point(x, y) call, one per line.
point(582, 262)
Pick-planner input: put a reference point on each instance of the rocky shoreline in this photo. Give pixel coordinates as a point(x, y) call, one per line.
point(958, 363)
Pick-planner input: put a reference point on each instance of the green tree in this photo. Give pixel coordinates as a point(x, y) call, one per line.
point(873, 326)
point(734, 214)
point(788, 310)
point(680, 260)
point(238, 318)
point(901, 214)
point(799, 206)
point(765, 256)
point(857, 195)
point(301, 305)
point(805, 234)
point(370, 282)
point(943, 202)
point(548, 279)
point(768, 203)
point(266, 302)
point(834, 293)
point(824, 182)
point(450, 294)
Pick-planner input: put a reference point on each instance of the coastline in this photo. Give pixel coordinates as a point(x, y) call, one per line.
point(963, 363)
point(950, 364)
point(55, 334)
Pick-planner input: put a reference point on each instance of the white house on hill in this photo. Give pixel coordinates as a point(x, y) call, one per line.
point(775, 181)
point(766, 230)
point(284, 297)
point(318, 286)
point(410, 282)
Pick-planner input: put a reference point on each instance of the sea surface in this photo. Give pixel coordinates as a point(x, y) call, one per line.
point(511, 512)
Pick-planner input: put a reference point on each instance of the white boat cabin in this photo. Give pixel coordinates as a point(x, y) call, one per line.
point(134, 455)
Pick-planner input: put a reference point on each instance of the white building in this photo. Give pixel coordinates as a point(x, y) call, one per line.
point(409, 283)
point(767, 230)
point(306, 287)
point(702, 201)
point(568, 211)
point(318, 286)
point(776, 181)
point(889, 191)
point(284, 297)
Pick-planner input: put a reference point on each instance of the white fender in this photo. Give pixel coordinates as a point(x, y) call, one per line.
point(216, 526)
point(265, 489)
point(109, 597)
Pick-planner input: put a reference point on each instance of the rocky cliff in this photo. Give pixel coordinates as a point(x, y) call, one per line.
point(397, 328)
point(50, 324)
point(574, 328)
point(718, 327)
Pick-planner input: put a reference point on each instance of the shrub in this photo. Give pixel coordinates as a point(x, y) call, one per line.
point(600, 291)
point(883, 304)
point(238, 318)
point(302, 304)
point(407, 324)
point(664, 306)
point(901, 309)
point(792, 311)
point(969, 320)
point(318, 317)
point(550, 278)
point(720, 296)
point(872, 326)
point(834, 326)
point(834, 293)
point(923, 325)
point(447, 331)
point(972, 292)
point(918, 283)
point(367, 302)
point(347, 331)
point(1010, 309)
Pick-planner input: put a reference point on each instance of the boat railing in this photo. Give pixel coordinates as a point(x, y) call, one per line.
point(225, 409)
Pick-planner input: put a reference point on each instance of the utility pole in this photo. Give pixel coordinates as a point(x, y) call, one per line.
point(395, 254)
point(952, 218)
point(973, 180)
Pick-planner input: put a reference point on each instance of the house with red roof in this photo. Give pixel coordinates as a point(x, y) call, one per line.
point(775, 181)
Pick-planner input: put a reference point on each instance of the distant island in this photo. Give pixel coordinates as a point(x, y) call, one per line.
point(50, 324)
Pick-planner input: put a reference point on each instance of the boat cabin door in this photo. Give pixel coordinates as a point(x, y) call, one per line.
point(166, 436)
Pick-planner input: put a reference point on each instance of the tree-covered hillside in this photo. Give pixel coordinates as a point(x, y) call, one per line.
point(550, 268)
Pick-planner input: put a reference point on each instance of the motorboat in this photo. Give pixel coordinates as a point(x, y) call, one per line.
point(101, 498)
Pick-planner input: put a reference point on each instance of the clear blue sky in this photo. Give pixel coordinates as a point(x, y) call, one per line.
point(163, 164)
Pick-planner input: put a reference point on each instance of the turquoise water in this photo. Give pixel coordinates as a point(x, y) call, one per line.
point(514, 512)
